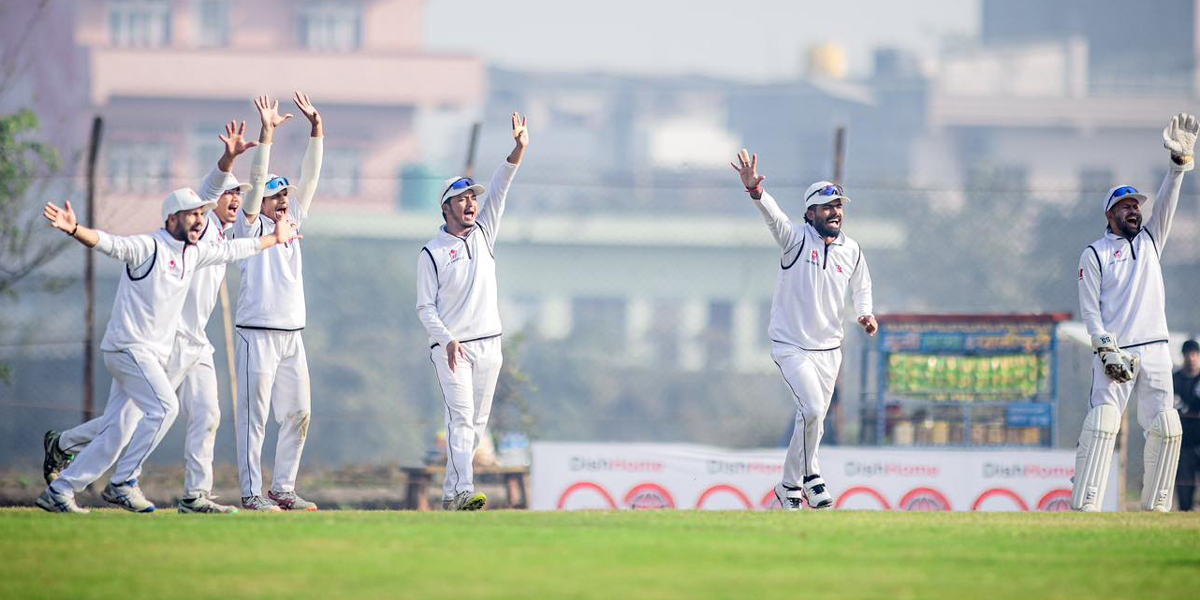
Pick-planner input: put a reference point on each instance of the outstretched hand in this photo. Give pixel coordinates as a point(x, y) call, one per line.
point(235, 139)
point(268, 112)
point(62, 219)
point(747, 168)
point(1179, 136)
point(309, 111)
point(520, 130)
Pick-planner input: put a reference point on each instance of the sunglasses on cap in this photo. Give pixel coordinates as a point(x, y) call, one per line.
point(277, 183)
point(829, 190)
point(462, 184)
point(1122, 191)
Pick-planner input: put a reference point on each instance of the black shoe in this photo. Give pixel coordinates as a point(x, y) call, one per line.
point(55, 460)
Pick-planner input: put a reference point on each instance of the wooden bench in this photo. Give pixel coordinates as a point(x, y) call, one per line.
point(416, 495)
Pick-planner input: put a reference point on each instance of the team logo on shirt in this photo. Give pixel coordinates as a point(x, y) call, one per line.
point(839, 268)
point(453, 254)
point(172, 265)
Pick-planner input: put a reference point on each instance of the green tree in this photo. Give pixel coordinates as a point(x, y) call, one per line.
point(26, 164)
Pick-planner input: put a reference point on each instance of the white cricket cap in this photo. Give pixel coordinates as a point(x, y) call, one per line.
point(459, 185)
point(1122, 192)
point(276, 184)
point(184, 199)
point(231, 183)
point(824, 192)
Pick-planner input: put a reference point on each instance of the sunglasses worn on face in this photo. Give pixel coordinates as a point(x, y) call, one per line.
point(829, 190)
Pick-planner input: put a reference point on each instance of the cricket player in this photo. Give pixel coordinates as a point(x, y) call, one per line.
point(1121, 301)
point(818, 265)
point(456, 301)
point(190, 367)
point(159, 269)
point(268, 348)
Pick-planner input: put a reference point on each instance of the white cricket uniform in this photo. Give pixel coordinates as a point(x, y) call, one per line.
point(190, 367)
point(1121, 292)
point(269, 351)
point(136, 345)
point(457, 300)
point(807, 310)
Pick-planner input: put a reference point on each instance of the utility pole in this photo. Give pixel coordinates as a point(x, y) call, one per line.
point(89, 274)
point(839, 153)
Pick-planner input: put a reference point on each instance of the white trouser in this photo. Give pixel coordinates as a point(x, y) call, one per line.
point(195, 379)
point(190, 370)
point(810, 375)
point(1153, 386)
point(273, 375)
point(140, 380)
point(467, 393)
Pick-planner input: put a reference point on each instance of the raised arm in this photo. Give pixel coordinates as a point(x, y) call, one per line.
point(132, 250)
point(310, 169)
point(781, 227)
point(492, 204)
point(268, 114)
point(1180, 138)
point(216, 182)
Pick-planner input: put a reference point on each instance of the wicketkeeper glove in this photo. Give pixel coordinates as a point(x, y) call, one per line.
point(1119, 365)
point(1179, 136)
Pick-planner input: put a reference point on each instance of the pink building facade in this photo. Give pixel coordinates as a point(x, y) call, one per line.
point(167, 74)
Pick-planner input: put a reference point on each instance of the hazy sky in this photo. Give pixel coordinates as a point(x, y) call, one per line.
point(751, 39)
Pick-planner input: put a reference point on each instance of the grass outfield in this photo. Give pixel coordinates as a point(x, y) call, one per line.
point(610, 555)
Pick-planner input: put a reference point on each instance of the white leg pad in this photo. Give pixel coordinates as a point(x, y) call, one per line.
point(1094, 457)
point(1161, 459)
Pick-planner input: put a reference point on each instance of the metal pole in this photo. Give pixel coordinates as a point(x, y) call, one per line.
point(469, 170)
point(229, 346)
point(839, 153)
point(89, 274)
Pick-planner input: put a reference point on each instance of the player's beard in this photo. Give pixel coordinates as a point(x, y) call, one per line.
point(1127, 229)
point(825, 231)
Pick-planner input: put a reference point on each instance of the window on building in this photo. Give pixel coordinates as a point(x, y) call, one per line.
point(340, 173)
point(205, 148)
point(139, 23)
point(331, 26)
point(138, 167)
point(214, 22)
point(598, 323)
point(718, 334)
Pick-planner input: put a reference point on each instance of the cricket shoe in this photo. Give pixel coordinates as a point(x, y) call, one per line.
point(53, 501)
point(259, 503)
point(127, 496)
point(815, 493)
point(290, 501)
point(790, 498)
point(55, 459)
point(466, 501)
point(203, 504)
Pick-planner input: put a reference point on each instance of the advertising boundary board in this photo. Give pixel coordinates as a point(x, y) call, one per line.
point(574, 476)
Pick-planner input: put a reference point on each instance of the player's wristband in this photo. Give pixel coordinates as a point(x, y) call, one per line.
point(72, 234)
point(755, 190)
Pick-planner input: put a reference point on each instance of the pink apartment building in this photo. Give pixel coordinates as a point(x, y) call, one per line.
point(166, 75)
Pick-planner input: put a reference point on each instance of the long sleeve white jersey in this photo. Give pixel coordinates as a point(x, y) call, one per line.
point(158, 273)
point(206, 284)
point(456, 277)
point(271, 295)
point(808, 306)
point(1120, 280)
